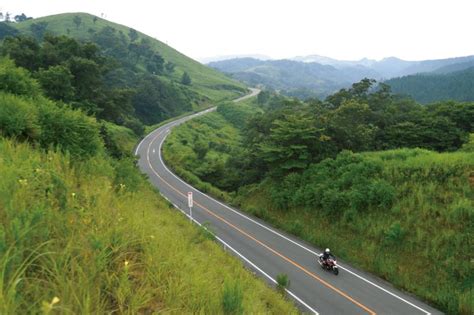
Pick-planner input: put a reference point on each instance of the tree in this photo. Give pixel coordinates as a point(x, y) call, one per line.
point(21, 18)
point(77, 20)
point(155, 64)
point(133, 34)
point(23, 50)
point(169, 67)
point(290, 143)
point(39, 29)
point(350, 127)
point(56, 82)
point(186, 79)
point(7, 30)
point(94, 19)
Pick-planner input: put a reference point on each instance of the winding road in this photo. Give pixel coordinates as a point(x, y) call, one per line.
point(268, 251)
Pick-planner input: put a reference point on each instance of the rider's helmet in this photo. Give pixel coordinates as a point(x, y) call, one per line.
point(327, 251)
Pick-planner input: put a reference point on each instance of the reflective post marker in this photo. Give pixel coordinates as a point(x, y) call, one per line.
point(190, 205)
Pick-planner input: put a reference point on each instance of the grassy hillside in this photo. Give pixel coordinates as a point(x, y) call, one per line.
point(206, 81)
point(94, 237)
point(411, 209)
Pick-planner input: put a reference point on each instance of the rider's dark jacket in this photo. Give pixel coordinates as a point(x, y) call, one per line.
point(328, 255)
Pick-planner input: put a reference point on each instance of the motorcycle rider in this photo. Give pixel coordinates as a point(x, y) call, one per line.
point(326, 255)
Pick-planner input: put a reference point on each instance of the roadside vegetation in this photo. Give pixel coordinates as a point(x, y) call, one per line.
point(81, 230)
point(386, 183)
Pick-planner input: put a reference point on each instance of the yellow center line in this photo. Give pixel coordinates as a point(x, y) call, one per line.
point(314, 276)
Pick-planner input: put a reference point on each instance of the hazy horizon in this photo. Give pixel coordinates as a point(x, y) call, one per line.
point(343, 30)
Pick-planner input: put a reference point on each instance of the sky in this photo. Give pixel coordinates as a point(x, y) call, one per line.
point(341, 29)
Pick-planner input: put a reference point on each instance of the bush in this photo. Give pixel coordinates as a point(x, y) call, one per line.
point(69, 129)
point(381, 194)
point(18, 117)
point(232, 298)
point(282, 282)
point(17, 80)
point(394, 234)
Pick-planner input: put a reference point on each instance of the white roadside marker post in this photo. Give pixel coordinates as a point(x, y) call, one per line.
point(190, 205)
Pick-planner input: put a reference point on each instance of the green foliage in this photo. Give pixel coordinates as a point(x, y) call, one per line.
point(394, 234)
point(144, 57)
point(157, 100)
point(44, 122)
point(232, 298)
point(7, 30)
point(71, 130)
point(57, 83)
point(18, 118)
point(428, 88)
point(17, 80)
point(77, 20)
point(73, 233)
point(186, 79)
point(282, 282)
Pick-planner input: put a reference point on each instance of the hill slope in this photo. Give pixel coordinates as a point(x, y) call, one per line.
point(428, 88)
point(291, 76)
point(206, 81)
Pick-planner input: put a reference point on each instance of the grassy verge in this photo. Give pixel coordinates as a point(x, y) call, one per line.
point(411, 210)
point(93, 236)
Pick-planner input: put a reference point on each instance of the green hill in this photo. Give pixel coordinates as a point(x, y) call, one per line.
point(428, 88)
point(207, 82)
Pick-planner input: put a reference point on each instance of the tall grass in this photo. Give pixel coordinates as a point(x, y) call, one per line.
point(93, 237)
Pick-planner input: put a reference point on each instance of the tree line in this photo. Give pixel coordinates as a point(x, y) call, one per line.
point(289, 135)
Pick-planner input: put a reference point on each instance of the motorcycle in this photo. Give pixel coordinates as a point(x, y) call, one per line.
point(330, 264)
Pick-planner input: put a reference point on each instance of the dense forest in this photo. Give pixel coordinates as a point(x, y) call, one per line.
point(429, 88)
point(67, 111)
point(363, 162)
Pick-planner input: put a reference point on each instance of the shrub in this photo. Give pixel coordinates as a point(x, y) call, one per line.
point(381, 194)
point(394, 234)
point(17, 80)
point(18, 117)
point(69, 129)
point(232, 297)
point(282, 282)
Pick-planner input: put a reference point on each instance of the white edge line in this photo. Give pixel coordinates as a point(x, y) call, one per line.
point(248, 261)
point(282, 236)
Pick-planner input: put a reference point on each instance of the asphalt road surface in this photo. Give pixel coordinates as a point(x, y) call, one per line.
point(269, 252)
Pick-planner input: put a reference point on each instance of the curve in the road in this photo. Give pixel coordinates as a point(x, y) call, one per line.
point(238, 232)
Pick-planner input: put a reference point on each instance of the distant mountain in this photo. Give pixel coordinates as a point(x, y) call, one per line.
point(428, 88)
point(319, 76)
point(334, 62)
point(227, 57)
point(289, 76)
point(392, 67)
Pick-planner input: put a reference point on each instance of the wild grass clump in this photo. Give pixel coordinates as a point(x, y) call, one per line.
point(232, 298)
point(282, 282)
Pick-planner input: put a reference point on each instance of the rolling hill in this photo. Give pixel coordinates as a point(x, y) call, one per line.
point(428, 88)
point(319, 76)
point(212, 85)
point(293, 77)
